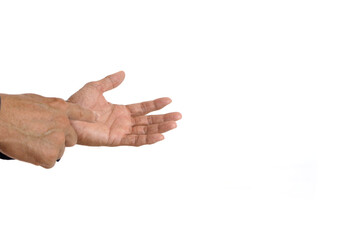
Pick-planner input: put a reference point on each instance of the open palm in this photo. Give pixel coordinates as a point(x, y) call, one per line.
point(120, 124)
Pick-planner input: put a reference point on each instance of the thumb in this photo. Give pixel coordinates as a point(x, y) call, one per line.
point(111, 81)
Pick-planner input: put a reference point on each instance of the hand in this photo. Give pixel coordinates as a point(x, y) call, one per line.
point(120, 124)
point(36, 129)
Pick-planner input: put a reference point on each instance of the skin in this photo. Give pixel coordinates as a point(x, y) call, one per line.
point(120, 125)
point(37, 128)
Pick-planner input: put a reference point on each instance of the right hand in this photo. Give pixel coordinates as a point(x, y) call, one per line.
point(37, 129)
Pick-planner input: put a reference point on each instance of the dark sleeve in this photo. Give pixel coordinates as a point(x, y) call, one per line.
point(3, 156)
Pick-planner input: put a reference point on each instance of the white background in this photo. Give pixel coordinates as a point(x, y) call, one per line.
point(268, 147)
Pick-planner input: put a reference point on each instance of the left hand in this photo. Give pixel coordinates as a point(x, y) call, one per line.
point(119, 125)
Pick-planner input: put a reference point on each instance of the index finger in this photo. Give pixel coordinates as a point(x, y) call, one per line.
point(76, 112)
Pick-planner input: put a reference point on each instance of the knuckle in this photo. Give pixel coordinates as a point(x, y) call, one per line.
point(58, 103)
point(49, 164)
point(144, 130)
point(48, 159)
point(46, 154)
point(92, 84)
point(143, 107)
point(52, 156)
point(149, 120)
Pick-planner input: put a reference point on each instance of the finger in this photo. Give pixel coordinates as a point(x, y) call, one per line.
point(154, 128)
point(70, 137)
point(110, 82)
point(139, 140)
point(143, 108)
point(75, 112)
point(51, 161)
point(51, 149)
point(154, 119)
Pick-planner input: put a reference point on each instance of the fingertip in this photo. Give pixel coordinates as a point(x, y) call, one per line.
point(158, 137)
point(111, 81)
point(122, 74)
point(177, 116)
point(118, 78)
point(119, 75)
point(165, 100)
point(161, 102)
point(154, 138)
